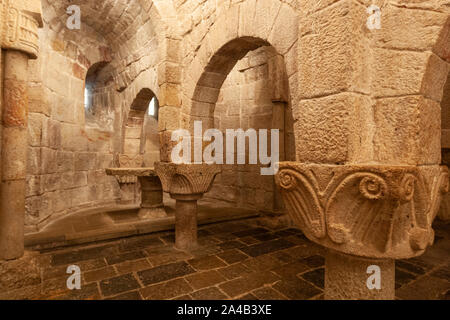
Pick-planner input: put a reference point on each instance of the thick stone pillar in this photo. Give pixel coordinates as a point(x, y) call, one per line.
point(366, 215)
point(19, 38)
point(186, 183)
point(347, 277)
point(186, 221)
point(367, 181)
point(152, 198)
point(14, 155)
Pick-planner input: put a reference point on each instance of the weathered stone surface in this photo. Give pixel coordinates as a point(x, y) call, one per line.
point(16, 274)
point(293, 273)
point(342, 95)
point(118, 285)
point(165, 272)
point(20, 26)
point(346, 278)
point(181, 179)
point(139, 172)
point(330, 203)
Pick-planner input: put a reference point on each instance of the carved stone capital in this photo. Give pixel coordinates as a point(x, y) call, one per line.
point(129, 175)
point(19, 24)
point(186, 179)
point(365, 210)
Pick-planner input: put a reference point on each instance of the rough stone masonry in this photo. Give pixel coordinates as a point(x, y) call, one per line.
point(363, 116)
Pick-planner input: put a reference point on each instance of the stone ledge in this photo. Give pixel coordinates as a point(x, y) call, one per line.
point(123, 228)
point(138, 172)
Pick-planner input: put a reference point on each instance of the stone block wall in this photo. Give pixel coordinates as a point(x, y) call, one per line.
point(151, 148)
point(68, 151)
point(141, 135)
point(341, 114)
point(66, 158)
point(247, 101)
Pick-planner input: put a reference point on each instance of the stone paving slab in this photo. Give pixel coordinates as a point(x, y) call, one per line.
point(237, 260)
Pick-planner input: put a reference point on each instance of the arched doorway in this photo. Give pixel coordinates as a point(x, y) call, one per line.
point(245, 86)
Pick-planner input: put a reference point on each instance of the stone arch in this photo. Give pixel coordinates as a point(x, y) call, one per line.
point(226, 43)
point(96, 96)
point(243, 27)
point(116, 26)
point(216, 71)
point(140, 139)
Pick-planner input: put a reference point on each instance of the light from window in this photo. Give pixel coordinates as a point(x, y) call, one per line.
point(86, 98)
point(152, 107)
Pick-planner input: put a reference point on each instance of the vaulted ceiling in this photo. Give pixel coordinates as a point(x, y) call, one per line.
point(109, 18)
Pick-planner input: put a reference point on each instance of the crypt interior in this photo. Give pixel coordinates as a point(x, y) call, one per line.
point(86, 138)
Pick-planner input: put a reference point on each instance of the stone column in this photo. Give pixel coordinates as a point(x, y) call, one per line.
point(280, 100)
point(367, 216)
point(186, 183)
point(347, 277)
point(19, 38)
point(151, 198)
point(367, 181)
point(14, 155)
point(186, 221)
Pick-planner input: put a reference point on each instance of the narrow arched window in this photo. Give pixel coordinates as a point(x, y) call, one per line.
point(95, 94)
point(153, 108)
point(87, 97)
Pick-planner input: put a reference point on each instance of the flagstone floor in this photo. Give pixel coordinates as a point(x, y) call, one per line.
point(235, 260)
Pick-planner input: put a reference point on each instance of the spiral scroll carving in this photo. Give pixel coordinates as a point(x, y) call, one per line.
point(287, 180)
point(373, 187)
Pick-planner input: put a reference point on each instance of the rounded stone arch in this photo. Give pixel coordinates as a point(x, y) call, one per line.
point(249, 27)
point(244, 27)
point(154, 16)
point(140, 138)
